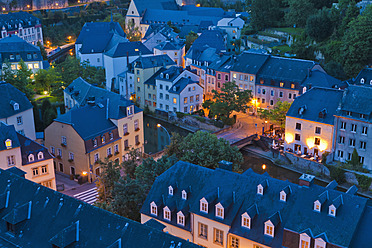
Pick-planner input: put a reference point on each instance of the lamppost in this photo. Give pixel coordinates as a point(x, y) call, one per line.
point(84, 173)
point(159, 125)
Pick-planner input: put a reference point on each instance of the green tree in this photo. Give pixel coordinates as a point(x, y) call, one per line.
point(265, 13)
point(106, 183)
point(335, 70)
point(299, 11)
point(117, 18)
point(173, 147)
point(357, 43)
point(354, 161)
point(133, 33)
point(276, 114)
point(319, 26)
point(20, 78)
point(42, 50)
point(130, 165)
point(230, 99)
point(190, 38)
point(207, 150)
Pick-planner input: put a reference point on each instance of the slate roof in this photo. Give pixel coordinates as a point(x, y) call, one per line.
point(57, 219)
point(153, 61)
point(364, 75)
point(151, 80)
point(209, 38)
point(222, 63)
point(142, 5)
point(124, 49)
point(173, 72)
point(239, 191)
point(98, 37)
point(250, 63)
point(286, 69)
point(358, 99)
point(19, 48)
point(8, 132)
point(170, 45)
point(12, 20)
point(318, 78)
point(163, 29)
point(10, 95)
point(181, 84)
point(314, 101)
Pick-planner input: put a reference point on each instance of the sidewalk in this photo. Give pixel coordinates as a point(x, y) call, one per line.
point(64, 179)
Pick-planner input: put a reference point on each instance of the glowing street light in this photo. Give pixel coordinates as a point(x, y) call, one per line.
point(3, 8)
point(160, 126)
point(264, 166)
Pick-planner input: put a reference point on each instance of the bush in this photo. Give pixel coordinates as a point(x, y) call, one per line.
point(180, 115)
point(218, 124)
point(230, 121)
point(201, 119)
point(364, 181)
point(337, 174)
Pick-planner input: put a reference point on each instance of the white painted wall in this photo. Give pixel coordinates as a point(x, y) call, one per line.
point(27, 126)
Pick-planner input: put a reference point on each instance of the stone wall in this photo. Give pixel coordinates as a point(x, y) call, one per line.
point(306, 164)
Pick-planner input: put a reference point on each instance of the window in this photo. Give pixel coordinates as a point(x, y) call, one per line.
point(111, 135)
point(272, 93)
point(332, 210)
point(348, 113)
point(317, 141)
point(184, 195)
point(219, 76)
point(170, 190)
point(11, 160)
point(340, 154)
point(44, 169)
point(31, 158)
point(271, 102)
point(343, 125)
point(166, 87)
point(167, 214)
point(263, 91)
point(263, 100)
point(125, 129)
point(129, 110)
point(292, 86)
point(71, 156)
point(317, 206)
point(40, 155)
point(10, 227)
point(174, 100)
point(19, 120)
point(60, 167)
point(289, 95)
point(226, 77)
point(246, 221)
point(304, 244)
point(47, 184)
point(297, 137)
point(59, 152)
point(294, 96)
point(219, 211)
point(361, 159)
point(29, 66)
point(103, 139)
point(136, 127)
point(63, 140)
point(251, 78)
point(363, 145)
point(218, 236)
point(259, 91)
point(353, 128)
point(260, 189)
point(96, 157)
point(197, 98)
point(52, 150)
point(281, 84)
point(126, 145)
point(185, 100)
point(203, 231)
point(109, 152)
point(348, 156)
point(362, 116)
point(161, 95)
point(364, 130)
point(35, 172)
point(318, 130)
point(166, 97)
point(136, 138)
point(149, 95)
point(283, 196)
point(154, 208)
point(281, 94)
point(161, 86)
point(269, 229)
point(116, 148)
point(203, 205)
point(352, 142)
point(180, 218)
point(185, 109)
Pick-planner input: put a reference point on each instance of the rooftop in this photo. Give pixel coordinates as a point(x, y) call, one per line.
point(19, 49)
point(9, 98)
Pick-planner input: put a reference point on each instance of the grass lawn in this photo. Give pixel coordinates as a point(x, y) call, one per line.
point(283, 49)
point(295, 31)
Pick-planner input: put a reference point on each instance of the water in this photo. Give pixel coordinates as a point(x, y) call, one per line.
point(156, 138)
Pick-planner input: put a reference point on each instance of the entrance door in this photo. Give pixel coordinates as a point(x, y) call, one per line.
point(72, 170)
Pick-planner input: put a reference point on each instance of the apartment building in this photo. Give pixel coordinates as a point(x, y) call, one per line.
point(174, 49)
point(16, 110)
point(33, 159)
point(220, 208)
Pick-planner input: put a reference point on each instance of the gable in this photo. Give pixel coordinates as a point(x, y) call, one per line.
point(132, 10)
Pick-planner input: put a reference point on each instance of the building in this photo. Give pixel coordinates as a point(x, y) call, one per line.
point(14, 49)
point(95, 39)
point(157, 34)
point(141, 70)
point(37, 217)
point(353, 125)
point(116, 62)
point(309, 126)
point(23, 25)
point(174, 49)
point(55, 4)
point(31, 158)
point(232, 26)
point(16, 110)
point(178, 90)
point(364, 77)
point(220, 208)
point(99, 125)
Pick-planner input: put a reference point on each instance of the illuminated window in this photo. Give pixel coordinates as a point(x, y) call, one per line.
point(246, 221)
point(8, 144)
point(30, 66)
point(292, 86)
point(203, 205)
point(219, 211)
point(167, 214)
point(153, 208)
point(174, 100)
point(36, 66)
point(317, 206)
point(269, 229)
point(180, 218)
point(281, 84)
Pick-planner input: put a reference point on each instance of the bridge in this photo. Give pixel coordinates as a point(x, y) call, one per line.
point(252, 140)
point(64, 49)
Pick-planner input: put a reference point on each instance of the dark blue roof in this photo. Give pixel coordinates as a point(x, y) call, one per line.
point(173, 72)
point(142, 5)
point(19, 49)
point(12, 20)
point(315, 101)
point(47, 217)
point(249, 62)
point(151, 80)
point(170, 45)
point(362, 236)
point(209, 38)
point(124, 49)
point(28, 147)
point(318, 78)
point(153, 61)
point(364, 77)
point(358, 99)
point(238, 194)
point(8, 132)
point(9, 95)
point(181, 84)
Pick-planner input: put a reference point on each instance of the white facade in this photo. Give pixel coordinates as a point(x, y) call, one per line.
point(23, 123)
point(176, 55)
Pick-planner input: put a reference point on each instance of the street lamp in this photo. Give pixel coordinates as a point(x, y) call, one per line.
point(85, 173)
point(159, 125)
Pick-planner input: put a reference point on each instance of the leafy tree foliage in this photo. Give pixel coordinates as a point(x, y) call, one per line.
point(133, 33)
point(335, 70)
point(106, 183)
point(319, 26)
point(277, 114)
point(131, 164)
point(299, 11)
point(204, 149)
point(20, 78)
point(190, 38)
point(265, 13)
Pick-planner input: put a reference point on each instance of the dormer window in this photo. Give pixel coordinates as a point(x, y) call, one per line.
point(8, 144)
point(16, 106)
point(129, 110)
point(246, 221)
point(362, 81)
point(167, 76)
point(269, 228)
point(184, 195)
point(170, 190)
point(161, 75)
point(319, 243)
point(219, 211)
point(94, 142)
point(180, 218)
point(332, 211)
point(283, 196)
point(305, 240)
point(260, 189)
point(174, 88)
point(153, 209)
point(317, 206)
point(103, 139)
point(111, 135)
point(167, 214)
point(203, 205)
point(40, 155)
point(31, 158)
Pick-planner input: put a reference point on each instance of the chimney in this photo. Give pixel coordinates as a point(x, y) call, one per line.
point(306, 180)
point(107, 109)
point(225, 165)
point(218, 192)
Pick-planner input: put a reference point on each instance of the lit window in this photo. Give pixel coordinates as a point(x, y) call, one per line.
point(317, 206)
point(103, 139)
point(269, 229)
point(204, 205)
point(30, 66)
point(304, 241)
point(332, 210)
point(292, 86)
point(153, 208)
point(167, 214)
point(281, 84)
point(260, 189)
point(219, 211)
point(180, 218)
point(234, 242)
point(174, 100)
point(246, 221)
point(8, 144)
point(283, 196)
point(36, 66)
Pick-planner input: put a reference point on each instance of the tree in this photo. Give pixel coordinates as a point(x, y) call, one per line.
point(354, 161)
point(173, 147)
point(276, 114)
point(357, 43)
point(190, 38)
point(230, 99)
point(20, 78)
point(106, 183)
point(335, 70)
point(130, 165)
point(133, 33)
point(299, 11)
point(207, 150)
point(319, 26)
point(237, 45)
point(265, 13)
point(42, 50)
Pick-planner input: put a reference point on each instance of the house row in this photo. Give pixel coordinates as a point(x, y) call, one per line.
point(35, 216)
point(333, 121)
point(220, 208)
point(98, 125)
